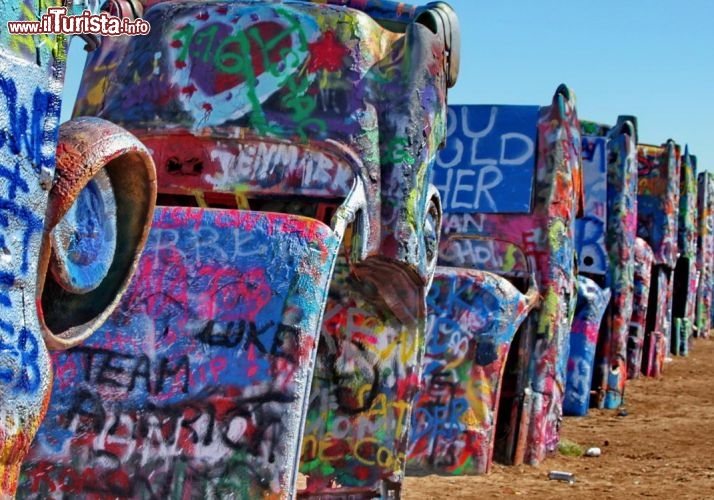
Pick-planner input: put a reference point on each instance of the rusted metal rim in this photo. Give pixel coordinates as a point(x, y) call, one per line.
point(98, 218)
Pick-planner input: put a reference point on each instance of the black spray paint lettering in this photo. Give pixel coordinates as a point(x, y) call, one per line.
point(251, 424)
point(104, 367)
point(243, 334)
point(232, 438)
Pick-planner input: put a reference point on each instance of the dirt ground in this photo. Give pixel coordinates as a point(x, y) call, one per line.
point(663, 448)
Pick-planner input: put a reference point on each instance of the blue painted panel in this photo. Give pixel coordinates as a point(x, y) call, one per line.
point(592, 301)
point(196, 386)
point(488, 164)
point(590, 229)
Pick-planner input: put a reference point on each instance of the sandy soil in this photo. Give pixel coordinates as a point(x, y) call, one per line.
point(663, 448)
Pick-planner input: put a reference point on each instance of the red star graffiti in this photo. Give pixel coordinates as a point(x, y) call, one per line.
point(326, 53)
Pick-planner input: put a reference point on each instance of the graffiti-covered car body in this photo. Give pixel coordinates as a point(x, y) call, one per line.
point(509, 209)
point(276, 131)
point(637, 358)
point(589, 309)
point(615, 147)
point(473, 317)
point(592, 295)
point(657, 205)
point(686, 275)
point(74, 211)
point(705, 252)
point(483, 289)
point(620, 240)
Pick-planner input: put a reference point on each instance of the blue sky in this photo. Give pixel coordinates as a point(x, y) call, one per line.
point(649, 58)
point(653, 59)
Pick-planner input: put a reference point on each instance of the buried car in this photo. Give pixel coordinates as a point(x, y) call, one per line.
point(282, 155)
point(605, 237)
point(705, 252)
point(75, 206)
point(657, 204)
point(492, 388)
